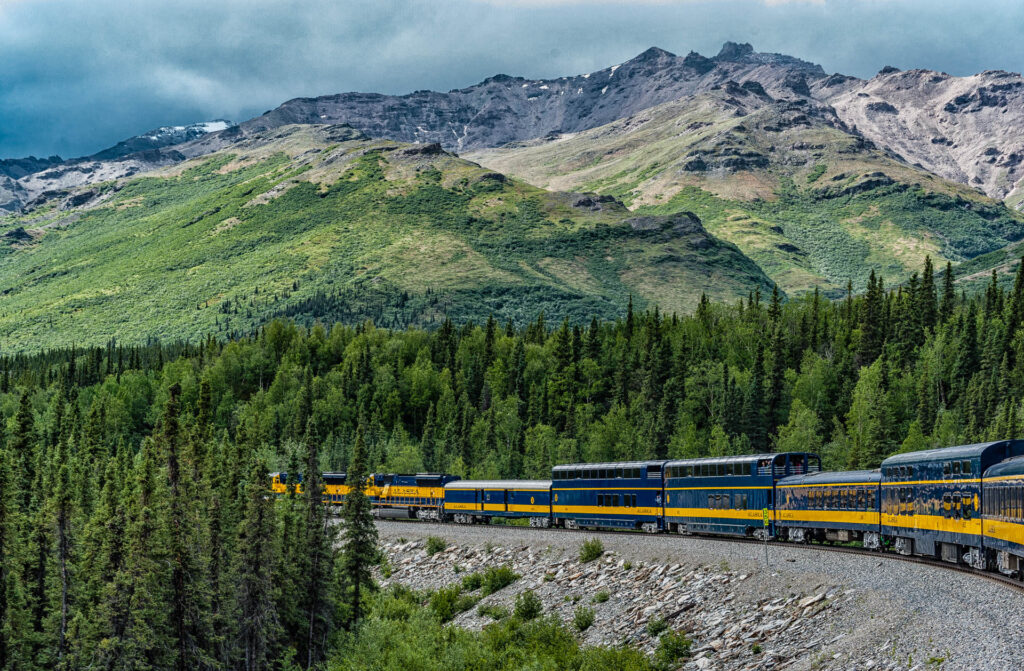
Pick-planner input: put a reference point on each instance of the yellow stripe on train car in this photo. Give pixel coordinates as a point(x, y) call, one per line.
point(933, 523)
point(839, 516)
point(527, 509)
point(835, 485)
point(605, 510)
point(1011, 532)
point(718, 513)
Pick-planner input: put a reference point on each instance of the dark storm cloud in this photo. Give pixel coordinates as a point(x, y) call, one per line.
point(77, 75)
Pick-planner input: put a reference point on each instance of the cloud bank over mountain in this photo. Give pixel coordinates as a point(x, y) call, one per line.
point(81, 75)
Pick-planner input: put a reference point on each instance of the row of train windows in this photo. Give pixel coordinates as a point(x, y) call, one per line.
point(709, 470)
point(727, 501)
point(841, 499)
point(1006, 502)
point(406, 499)
point(601, 473)
point(950, 469)
point(612, 500)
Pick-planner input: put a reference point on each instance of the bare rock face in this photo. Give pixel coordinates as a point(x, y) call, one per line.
point(505, 109)
point(965, 129)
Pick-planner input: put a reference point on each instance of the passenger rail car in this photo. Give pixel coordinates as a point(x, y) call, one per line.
point(468, 501)
point(414, 496)
point(931, 500)
point(828, 506)
point(623, 495)
point(1002, 515)
point(728, 495)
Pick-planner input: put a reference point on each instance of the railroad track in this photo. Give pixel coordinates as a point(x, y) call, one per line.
point(821, 547)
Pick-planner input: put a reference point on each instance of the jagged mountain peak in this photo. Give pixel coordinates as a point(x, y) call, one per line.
point(734, 51)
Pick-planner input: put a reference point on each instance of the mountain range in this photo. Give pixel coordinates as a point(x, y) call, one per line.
point(769, 168)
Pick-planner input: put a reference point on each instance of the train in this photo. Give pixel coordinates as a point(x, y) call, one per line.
point(962, 505)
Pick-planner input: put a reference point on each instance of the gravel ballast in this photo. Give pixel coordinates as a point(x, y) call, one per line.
point(860, 612)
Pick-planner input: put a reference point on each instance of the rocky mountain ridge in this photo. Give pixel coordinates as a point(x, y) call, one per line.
point(964, 129)
point(26, 182)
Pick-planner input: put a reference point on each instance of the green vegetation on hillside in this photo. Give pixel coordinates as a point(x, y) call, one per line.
point(814, 205)
point(365, 230)
point(844, 235)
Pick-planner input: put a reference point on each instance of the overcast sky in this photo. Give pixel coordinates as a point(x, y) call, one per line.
point(78, 75)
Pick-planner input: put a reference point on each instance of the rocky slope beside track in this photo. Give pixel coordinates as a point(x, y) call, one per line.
point(808, 610)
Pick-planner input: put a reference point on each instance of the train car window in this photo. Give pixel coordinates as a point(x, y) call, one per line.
point(946, 469)
point(870, 499)
point(965, 467)
point(615, 500)
point(956, 468)
point(728, 469)
point(861, 499)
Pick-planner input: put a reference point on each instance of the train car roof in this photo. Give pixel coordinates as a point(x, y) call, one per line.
point(736, 459)
point(827, 477)
point(499, 484)
point(1014, 447)
point(1012, 466)
point(610, 464)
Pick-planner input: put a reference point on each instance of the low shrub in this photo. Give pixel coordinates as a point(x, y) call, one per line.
point(602, 596)
point(528, 605)
point(498, 577)
point(472, 582)
point(493, 611)
point(591, 549)
point(436, 544)
point(656, 626)
point(448, 602)
point(582, 618)
point(672, 647)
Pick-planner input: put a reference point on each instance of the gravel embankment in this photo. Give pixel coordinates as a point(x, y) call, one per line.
point(881, 613)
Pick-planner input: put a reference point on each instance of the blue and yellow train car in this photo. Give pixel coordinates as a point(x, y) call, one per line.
point(931, 500)
point(335, 486)
point(729, 495)
point(827, 506)
point(404, 495)
point(1002, 518)
point(469, 501)
point(624, 495)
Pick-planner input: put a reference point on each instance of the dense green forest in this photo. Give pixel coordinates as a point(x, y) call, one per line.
point(134, 528)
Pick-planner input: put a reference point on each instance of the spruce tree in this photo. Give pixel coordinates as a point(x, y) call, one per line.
point(360, 534)
point(948, 295)
point(319, 549)
point(258, 626)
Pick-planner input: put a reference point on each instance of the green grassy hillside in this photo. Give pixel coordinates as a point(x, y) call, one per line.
point(809, 201)
point(318, 222)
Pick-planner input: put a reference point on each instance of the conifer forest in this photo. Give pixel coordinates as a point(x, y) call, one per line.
point(135, 527)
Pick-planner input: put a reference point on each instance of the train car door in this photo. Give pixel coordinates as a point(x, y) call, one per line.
point(506, 495)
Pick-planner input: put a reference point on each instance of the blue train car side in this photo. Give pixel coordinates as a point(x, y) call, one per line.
point(729, 495)
point(931, 500)
point(1003, 515)
point(468, 501)
point(625, 495)
point(829, 506)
